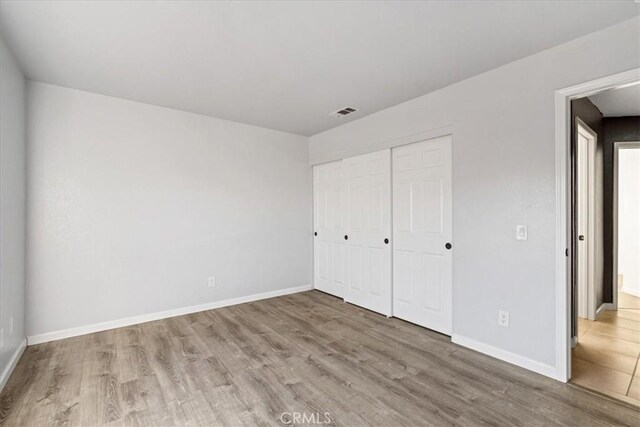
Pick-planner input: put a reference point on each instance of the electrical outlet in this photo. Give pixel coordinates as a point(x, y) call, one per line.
point(11, 325)
point(212, 282)
point(503, 318)
point(522, 232)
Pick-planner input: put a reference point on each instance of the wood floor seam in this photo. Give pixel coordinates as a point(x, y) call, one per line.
point(633, 375)
point(307, 353)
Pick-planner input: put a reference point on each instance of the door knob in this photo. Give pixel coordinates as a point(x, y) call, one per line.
point(386, 241)
point(315, 233)
point(346, 237)
point(447, 245)
point(581, 237)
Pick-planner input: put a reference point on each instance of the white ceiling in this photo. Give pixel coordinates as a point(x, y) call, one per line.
point(285, 65)
point(618, 102)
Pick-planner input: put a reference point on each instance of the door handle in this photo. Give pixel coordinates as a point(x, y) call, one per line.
point(447, 245)
point(386, 241)
point(315, 233)
point(581, 237)
point(346, 237)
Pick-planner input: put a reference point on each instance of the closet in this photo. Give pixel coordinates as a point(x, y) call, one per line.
point(382, 231)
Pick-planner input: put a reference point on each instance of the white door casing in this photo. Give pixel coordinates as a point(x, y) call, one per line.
point(422, 227)
point(368, 225)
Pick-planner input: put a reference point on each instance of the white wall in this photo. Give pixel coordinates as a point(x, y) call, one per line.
point(503, 174)
point(132, 207)
point(629, 220)
point(12, 210)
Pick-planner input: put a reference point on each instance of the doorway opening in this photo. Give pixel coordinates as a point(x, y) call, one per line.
point(604, 239)
point(626, 216)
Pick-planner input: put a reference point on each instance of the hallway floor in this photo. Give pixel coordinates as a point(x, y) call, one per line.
point(606, 358)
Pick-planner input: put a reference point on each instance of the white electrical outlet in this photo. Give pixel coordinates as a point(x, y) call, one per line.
point(11, 325)
point(522, 232)
point(212, 282)
point(503, 318)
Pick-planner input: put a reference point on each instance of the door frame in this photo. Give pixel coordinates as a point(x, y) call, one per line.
point(590, 289)
point(617, 146)
point(563, 98)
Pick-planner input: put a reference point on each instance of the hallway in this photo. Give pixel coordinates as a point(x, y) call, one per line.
point(606, 358)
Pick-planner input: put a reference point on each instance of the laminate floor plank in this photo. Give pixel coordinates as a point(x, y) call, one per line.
point(308, 353)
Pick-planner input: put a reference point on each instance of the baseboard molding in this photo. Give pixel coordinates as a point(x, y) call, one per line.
point(630, 291)
point(606, 306)
point(514, 359)
point(8, 370)
point(104, 326)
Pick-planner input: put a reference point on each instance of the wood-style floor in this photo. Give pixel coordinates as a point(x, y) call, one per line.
point(607, 357)
point(307, 353)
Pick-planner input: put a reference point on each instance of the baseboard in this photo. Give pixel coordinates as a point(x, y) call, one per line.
point(574, 342)
point(514, 359)
point(8, 370)
point(104, 326)
point(606, 306)
point(630, 291)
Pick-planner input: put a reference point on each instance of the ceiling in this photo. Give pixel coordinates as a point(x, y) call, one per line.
point(618, 102)
point(285, 65)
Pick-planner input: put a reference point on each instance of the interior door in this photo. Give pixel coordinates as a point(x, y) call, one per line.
point(369, 231)
point(585, 222)
point(330, 255)
point(422, 231)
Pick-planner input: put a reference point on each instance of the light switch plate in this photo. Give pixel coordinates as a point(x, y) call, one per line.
point(522, 232)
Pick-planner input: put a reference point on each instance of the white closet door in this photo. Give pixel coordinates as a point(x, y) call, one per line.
point(368, 225)
point(330, 256)
point(422, 228)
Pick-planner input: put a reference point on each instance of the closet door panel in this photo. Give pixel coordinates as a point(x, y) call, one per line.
point(368, 225)
point(422, 229)
point(322, 222)
point(330, 198)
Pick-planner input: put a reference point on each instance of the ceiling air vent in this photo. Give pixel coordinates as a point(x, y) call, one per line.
point(343, 112)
